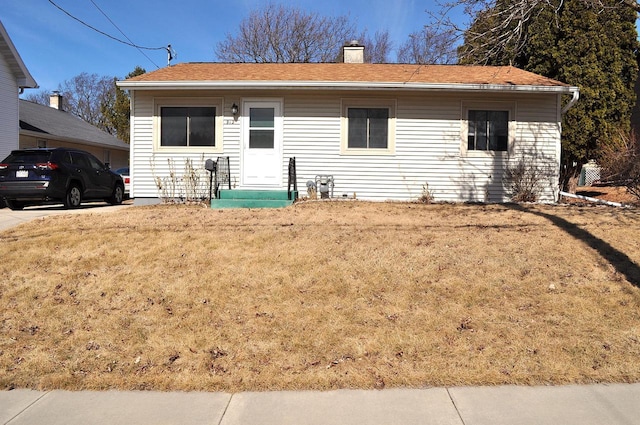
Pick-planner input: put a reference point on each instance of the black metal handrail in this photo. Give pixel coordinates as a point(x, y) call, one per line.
point(292, 180)
point(222, 174)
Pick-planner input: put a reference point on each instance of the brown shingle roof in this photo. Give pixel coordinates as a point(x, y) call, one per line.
point(346, 73)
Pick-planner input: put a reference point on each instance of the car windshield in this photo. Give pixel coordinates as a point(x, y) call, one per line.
point(122, 171)
point(27, 157)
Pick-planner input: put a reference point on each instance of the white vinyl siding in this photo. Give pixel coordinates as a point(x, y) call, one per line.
point(428, 146)
point(9, 116)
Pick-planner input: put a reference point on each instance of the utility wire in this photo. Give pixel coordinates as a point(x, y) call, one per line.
point(125, 36)
point(128, 43)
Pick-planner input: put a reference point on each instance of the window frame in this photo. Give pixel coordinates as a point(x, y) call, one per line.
point(502, 106)
point(185, 102)
point(389, 104)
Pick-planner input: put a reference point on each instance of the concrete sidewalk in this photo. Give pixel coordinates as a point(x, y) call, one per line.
point(10, 218)
point(513, 405)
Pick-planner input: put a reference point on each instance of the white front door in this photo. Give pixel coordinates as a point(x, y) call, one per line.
point(262, 143)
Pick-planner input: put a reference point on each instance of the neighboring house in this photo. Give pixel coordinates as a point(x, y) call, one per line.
point(383, 131)
point(51, 127)
point(14, 78)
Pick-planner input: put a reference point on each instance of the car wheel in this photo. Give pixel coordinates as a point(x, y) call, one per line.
point(14, 205)
point(74, 197)
point(117, 196)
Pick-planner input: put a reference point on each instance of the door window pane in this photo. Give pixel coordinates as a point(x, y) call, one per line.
point(261, 139)
point(261, 128)
point(261, 117)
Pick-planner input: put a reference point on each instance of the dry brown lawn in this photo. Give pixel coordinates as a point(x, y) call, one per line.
point(321, 295)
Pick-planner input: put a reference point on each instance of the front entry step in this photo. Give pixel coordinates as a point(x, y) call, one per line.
point(253, 199)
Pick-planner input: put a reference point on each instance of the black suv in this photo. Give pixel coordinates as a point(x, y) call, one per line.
point(70, 176)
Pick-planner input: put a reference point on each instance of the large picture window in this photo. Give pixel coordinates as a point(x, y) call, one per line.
point(194, 123)
point(368, 126)
point(187, 126)
point(488, 130)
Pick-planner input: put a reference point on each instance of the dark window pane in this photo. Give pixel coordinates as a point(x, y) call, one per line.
point(28, 157)
point(378, 128)
point(202, 126)
point(357, 128)
point(95, 163)
point(471, 140)
point(261, 117)
point(481, 130)
point(80, 160)
point(499, 130)
point(173, 126)
point(261, 139)
point(488, 130)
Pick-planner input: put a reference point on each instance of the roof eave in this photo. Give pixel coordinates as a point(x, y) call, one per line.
point(24, 78)
point(56, 137)
point(336, 85)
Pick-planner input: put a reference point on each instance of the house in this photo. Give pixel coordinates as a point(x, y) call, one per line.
point(44, 126)
point(14, 78)
point(382, 131)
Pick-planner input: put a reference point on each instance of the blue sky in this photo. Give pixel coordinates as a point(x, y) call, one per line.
point(55, 47)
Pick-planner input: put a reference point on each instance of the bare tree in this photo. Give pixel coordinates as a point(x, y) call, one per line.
point(84, 96)
point(41, 97)
point(285, 34)
point(429, 46)
point(377, 49)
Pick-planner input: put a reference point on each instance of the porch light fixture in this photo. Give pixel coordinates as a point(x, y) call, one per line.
point(234, 109)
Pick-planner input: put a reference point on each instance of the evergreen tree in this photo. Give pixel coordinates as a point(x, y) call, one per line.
point(116, 110)
point(593, 49)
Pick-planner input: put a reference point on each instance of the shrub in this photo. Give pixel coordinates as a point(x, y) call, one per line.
point(620, 163)
point(523, 181)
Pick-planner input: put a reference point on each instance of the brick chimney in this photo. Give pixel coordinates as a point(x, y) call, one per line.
point(353, 52)
point(55, 100)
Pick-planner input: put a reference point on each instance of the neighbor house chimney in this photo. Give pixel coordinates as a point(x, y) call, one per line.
point(353, 52)
point(55, 100)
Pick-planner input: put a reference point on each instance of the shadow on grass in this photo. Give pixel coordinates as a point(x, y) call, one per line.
point(618, 259)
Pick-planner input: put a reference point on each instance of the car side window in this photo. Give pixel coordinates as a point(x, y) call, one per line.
point(79, 160)
point(95, 164)
point(66, 158)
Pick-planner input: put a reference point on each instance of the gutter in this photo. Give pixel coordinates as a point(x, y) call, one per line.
point(338, 85)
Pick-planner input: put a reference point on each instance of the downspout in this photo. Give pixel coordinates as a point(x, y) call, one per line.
point(574, 98)
point(575, 95)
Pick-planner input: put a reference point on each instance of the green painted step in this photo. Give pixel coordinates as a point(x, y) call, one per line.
point(249, 203)
point(252, 199)
point(255, 194)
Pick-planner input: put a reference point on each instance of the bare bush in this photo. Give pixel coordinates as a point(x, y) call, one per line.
point(190, 187)
point(524, 180)
point(620, 163)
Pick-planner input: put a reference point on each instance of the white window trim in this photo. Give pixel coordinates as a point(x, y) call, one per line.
point(162, 102)
point(390, 104)
point(510, 107)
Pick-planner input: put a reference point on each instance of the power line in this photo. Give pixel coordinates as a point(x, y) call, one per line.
point(128, 43)
point(125, 36)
